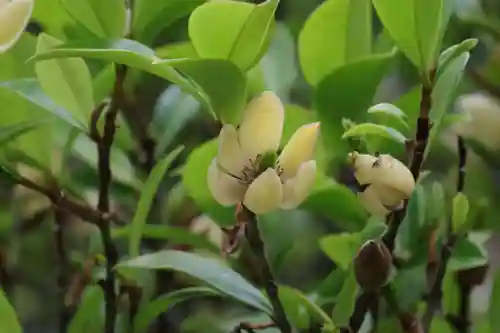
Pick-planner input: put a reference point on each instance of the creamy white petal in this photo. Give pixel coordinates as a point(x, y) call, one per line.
point(371, 202)
point(226, 190)
point(262, 124)
point(296, 189)
point(265, 193)
point(392, 173)
point(363, 165)
point(299, 149)
point(14, 17)
point(230, 156)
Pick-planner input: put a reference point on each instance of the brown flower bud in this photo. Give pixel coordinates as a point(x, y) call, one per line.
point(372, 265)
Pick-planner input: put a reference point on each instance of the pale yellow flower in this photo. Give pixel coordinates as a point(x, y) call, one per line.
point(246, 169)
point(386, 181)
point(14, 16)
point(481, 121)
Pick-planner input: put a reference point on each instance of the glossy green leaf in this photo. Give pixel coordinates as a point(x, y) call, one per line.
point(8, 317)
point(88, 318)
point(494, 318)
point(300, 309)
point(345, 301)
point(451, 53)
point(10, 133)
point(443, 93)
point(347, 93)
point(390, 110)
point(153, 309)
point(121, 51)
point(440, 325)
point(174, 235)
point(416, 26)
point(459, 211)
point(212, 272)
point(468, 252)
point(222, 84)
point(230, 30)
point(30, 90)
point(341, 248)
point(336, 202)
point(105, 19)
point(153, 16)
point(66, 81)
point(148, 193)
point(336, 33)
point(361, 130)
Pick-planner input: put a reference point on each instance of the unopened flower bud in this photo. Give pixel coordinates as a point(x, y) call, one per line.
point(386, 181)
point(372, 265)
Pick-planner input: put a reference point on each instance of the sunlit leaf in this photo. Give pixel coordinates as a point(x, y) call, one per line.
point(362, 130)
point(8, 317)
point(88, 318)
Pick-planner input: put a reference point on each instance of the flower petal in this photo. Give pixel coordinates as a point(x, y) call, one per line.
point(226, 190)
point(230, 156)
point(363, 167)
point(265, 193)
point(371, 202)
point(389, 174)
point(299, 149)
point(14, 17)
point(296, 189)
point(262, 124)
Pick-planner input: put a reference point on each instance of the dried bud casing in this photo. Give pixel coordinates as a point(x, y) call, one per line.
point(473, 276)
point(372, 265)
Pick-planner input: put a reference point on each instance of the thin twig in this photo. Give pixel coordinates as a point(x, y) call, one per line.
point(257, 246)
point(104, 143)
point(434, 298)
point(409, 322)
point(251, 328)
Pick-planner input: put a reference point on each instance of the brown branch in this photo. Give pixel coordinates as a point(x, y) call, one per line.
point(104, 143)
point(366, 300)
point(267, 277)
point(62, 279)
point(434, 298)
point(251, 328)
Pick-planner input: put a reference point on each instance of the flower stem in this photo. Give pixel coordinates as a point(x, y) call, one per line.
point(257, 246)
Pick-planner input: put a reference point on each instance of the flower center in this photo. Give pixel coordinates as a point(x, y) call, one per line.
point(258, 165)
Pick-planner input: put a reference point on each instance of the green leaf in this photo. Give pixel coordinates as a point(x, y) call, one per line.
point(299, 308)
point(341, 248)
point(451, 53)
point(494, 318)
point(416, 26)
point(460, 209)
point(336, 33)
point(194, 178)
point(409, 285)
point(88, 318)
point(102, 18)
point(175, 235)
point(30, 90)
point(389, 110)
point(66, 81)
point(148, 193)
point(10, 133)
point(222, 84)
point(8, 317)
point(444, 92)
point(163, 303)
point(440, 325)
point(336, 202)
point(121, 51)
point(153, 16)
point(345, 301)
point(230, 30)
point(347, 93)
point(212, 272)
point(361, 130)
point(468, 253)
